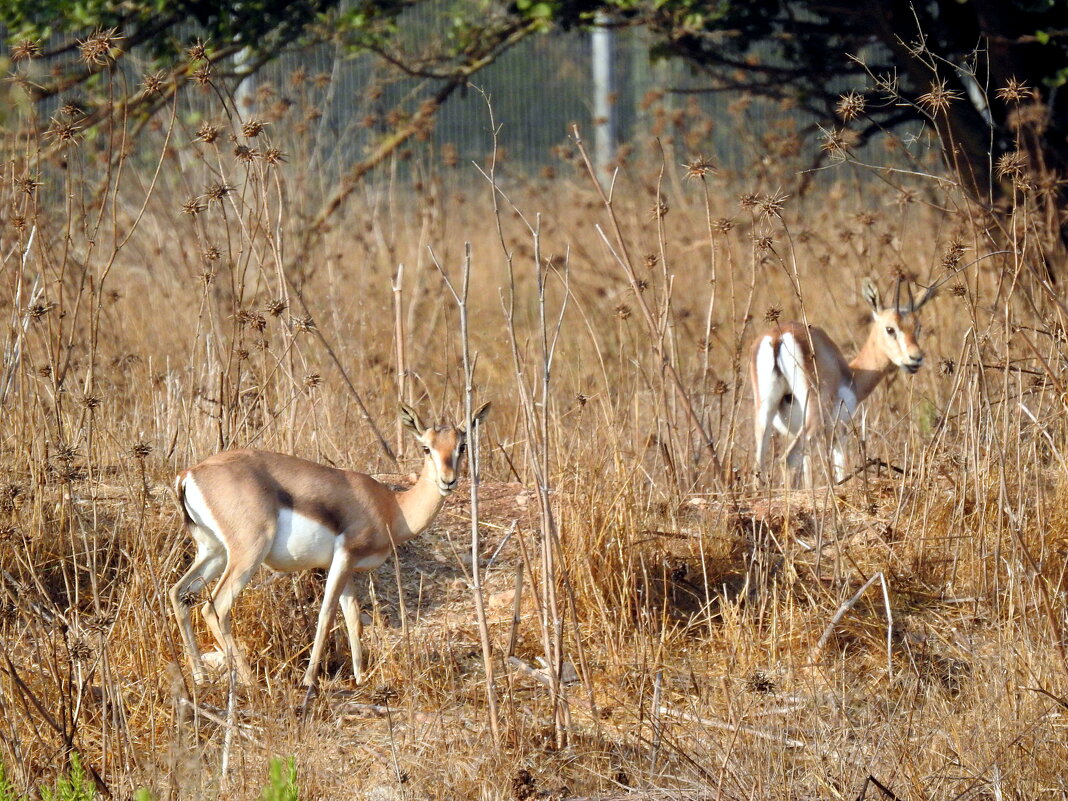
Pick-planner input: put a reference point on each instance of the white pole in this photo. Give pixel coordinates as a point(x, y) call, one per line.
point(604, 121)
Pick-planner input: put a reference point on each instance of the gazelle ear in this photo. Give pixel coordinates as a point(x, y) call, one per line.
point(409, 418)
point(480, 414)
point(871, 294)
point(926, 296)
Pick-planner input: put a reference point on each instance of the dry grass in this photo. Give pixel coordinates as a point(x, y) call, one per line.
point(690, 604)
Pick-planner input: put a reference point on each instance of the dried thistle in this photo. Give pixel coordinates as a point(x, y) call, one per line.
point(958, 291)
point(39, 310)
point(659, 211)
point(906, 196)
point(312, 381)
point(723, 225)
point(772, 205)
point(217, 191)
point(198, 51)
point(141, 449)
point(304, 324)
point(276, 307)
point(27, 184)
point(1012, 165)
point(651, 260)
point(91, 402)
point(954, 253)
point(720, 388)
point(761, 683)
point(1015, 92)
point(154, 83)
point(851, 105)
point(212, 253)
point(699, 168)
point(245, 153)
point(202, 75)
point(623, 311)
point(298, 77)
point(253, 128)
point(641, 284)
point(72, 109)
point(838, 140)
point(938, 98)
point(193, 206)
point(207, 133)
point(946, 368)
point(96, 49)
point(273, 156)
point(62, 132)
point(581, 399)
point(765, 242)
point(749, 200)
point(773, 314)
point(26, 49)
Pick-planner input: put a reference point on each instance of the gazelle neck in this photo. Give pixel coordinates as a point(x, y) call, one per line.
point(419, 505)
point(869, 366)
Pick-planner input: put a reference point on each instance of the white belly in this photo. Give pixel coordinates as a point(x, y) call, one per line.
point(300, 544)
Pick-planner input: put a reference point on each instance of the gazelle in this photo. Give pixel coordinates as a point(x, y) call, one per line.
point(245, 508)
point(804, 387)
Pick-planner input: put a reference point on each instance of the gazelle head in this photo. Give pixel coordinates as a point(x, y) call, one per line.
point(895, 329)
point(443, 446)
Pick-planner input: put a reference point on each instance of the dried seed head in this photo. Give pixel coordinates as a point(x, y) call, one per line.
point(722, 225)
point(273, 156)
point(764, 242)
point(141, 449)
point(154, 83)
point(202, 74)
point(304, 324)
point(938, 98)
point(39, 310)
point(72, 109)
point(91, 402)
point(207, 133)
point(761, 683)
point(906, 196)
point(245, 153)
point(954, 253)
point(641, 284)
point(581, 399)
point(838, 141)
point(26, 49)
point(958, 291)
point(1015, 92)
point(773, 314)
point(771, 205)
point(651, 260)
point(865, 218)
point(851, 105)
point(623, 311)
point(253, 128)
point(96, 49)
point(276, 307)
point(699, 168)
point(217, 191)
point(1012, 165)
point(198, 51)
point(312, 381)
point(749, 200)
point(27, 184)
point(947, 367)
point(193, 206)
point(62, 132)
point(298, 77)
point(659, 211)
point(212, 253)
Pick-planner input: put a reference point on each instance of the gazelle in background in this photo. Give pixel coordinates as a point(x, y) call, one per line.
point(805, 389)
point(245, 508)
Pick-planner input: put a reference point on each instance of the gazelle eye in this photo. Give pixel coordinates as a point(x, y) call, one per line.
point(891, 331)
point(463, 447)
point(426, 450)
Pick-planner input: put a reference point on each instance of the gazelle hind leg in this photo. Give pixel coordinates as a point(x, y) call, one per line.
point(207, 566)
point(240, 568)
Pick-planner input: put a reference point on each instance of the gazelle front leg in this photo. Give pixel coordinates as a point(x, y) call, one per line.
point(350, 608)
point(337, 579)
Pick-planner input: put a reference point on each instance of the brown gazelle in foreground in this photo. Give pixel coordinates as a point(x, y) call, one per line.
point(804, 387)
point(245, 508)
